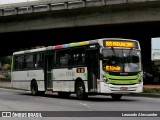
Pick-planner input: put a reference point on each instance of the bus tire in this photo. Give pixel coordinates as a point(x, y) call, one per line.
point(34, 88)
point(64, 94)
point(80, 91)
point(116, 96)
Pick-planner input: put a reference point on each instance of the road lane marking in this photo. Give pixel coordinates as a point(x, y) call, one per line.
point(85, 104)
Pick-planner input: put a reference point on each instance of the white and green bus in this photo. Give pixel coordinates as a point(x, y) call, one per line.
point(102, 66)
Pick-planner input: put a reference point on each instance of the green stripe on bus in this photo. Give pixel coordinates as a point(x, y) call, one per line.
point(127, 82)
point(85, 76)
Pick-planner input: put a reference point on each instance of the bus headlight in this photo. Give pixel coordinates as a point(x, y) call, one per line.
point(105, 79)
point(140, 80)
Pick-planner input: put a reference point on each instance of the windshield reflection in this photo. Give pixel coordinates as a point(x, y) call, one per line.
point(122, 60)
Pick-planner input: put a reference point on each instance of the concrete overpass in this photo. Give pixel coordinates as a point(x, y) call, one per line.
point(49, 14)
point(51, 22)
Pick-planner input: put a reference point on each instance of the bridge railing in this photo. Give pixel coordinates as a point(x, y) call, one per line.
point(48, 5)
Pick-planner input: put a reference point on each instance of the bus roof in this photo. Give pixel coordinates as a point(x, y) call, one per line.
point(68, 45)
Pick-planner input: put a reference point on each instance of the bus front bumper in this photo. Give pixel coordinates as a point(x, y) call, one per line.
point(121, 89)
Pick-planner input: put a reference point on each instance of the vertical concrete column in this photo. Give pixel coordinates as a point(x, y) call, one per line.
point(16, 10)
point(32, 8)
point(84, 3)
point(103, 2)
point(66, 5)
point(1, 12)
point(49, 7)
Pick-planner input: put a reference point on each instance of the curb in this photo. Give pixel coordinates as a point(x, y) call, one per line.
point(144, 95)
point(6, 87)
point(10, 88)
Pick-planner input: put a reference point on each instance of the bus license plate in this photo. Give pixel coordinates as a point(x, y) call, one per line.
point(124, 88)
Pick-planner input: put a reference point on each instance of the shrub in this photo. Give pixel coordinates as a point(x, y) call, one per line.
point(151, 90)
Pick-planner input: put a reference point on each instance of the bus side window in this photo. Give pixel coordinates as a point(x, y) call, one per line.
point(56, 59)
point(64, 58)
point(29, 63)
point(19, 62)
point(80, 60)
point(78, 56)
point(15, 63)
point(38, 61)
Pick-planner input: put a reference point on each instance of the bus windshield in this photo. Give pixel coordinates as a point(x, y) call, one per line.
point(121, 60)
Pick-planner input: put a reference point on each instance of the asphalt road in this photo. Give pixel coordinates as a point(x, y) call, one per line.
point(18, 100)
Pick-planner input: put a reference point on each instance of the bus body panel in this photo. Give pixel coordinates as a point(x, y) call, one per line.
point(80, 73)
point(61, 79)
point(62, 86)
point(64, 79)
point(22, 79)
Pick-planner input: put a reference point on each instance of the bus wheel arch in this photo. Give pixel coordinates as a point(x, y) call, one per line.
point(34, 87)
point(80, 89)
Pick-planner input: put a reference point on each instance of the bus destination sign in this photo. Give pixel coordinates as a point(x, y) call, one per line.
point(119, 44)
point(113, 68)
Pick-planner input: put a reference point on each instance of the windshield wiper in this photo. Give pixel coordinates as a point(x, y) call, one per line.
point(113, 51)
point(130, 51)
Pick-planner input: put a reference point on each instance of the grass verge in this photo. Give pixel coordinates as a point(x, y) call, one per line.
point(151, 90)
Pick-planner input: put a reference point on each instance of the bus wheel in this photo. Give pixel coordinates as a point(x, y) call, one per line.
point(116, 96)
point(80, 91)
point(34, 88)
point(64, 94)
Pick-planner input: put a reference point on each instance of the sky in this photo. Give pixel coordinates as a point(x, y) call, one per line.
point(155, 43)
point(14, 1)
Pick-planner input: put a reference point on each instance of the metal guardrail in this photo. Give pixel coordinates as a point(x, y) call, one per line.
point(47, 5)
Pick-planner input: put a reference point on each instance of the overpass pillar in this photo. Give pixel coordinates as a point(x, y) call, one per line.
point(32, 8)
point(84, 3)
point(49, 7)
point(16, 10)
point(1, 12)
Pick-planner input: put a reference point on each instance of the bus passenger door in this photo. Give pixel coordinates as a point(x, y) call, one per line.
point(93, 69)
point(49, 62)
